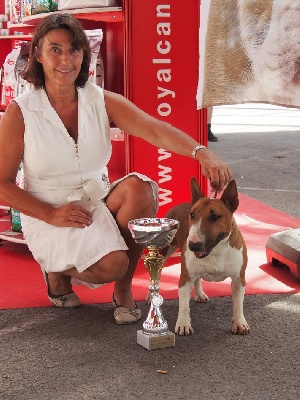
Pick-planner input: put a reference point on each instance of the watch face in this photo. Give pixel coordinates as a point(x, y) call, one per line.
point(157, 300)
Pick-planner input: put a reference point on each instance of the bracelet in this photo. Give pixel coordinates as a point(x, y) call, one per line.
point(194, 152)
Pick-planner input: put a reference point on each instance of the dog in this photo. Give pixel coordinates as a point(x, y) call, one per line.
point(212, 248)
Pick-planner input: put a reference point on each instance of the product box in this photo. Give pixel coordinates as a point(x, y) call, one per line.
point(73, 4)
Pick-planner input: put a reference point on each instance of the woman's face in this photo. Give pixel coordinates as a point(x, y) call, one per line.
point(60, 60)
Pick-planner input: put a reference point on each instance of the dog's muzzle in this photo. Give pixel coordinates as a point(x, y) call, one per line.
point(197, 249)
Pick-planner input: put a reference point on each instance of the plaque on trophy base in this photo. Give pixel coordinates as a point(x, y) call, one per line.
point(154, 234)
point(153, 341)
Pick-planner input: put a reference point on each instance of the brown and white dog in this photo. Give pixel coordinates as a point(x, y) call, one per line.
point(212, 248)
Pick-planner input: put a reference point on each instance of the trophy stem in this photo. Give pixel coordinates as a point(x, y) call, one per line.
point(153, 263)
point(155, 322)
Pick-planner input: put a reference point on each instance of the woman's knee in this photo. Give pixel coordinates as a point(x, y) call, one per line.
point(141, 194)
point(111, 267)
point(132, 198)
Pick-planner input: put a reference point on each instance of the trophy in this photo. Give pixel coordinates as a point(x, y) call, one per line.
point(154, 234)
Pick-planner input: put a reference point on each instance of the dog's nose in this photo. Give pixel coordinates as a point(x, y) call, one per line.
point(196, 246)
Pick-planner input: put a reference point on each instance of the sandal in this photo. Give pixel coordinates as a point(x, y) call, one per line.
point(125, 315)
point(67, 300)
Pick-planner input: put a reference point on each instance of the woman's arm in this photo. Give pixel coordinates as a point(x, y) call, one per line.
point(136, 122)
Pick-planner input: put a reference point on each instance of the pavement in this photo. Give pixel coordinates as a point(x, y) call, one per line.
point(81, 354)
point(261, 144)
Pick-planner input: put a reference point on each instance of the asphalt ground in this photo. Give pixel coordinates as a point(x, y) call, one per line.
point(81, 354)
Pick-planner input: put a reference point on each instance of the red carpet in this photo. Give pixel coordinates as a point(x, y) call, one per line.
point(22, 284)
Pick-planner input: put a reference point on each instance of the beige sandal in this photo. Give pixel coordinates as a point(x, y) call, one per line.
point(67, 300)
point(125, 315)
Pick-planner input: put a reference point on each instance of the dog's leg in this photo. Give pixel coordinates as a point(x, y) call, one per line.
point(183, 324)
point(239, 323)
point(199, 294)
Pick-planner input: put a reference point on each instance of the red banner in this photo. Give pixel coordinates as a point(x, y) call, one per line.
point(162, 67)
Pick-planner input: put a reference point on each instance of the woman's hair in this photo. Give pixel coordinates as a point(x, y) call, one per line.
point(34, 71)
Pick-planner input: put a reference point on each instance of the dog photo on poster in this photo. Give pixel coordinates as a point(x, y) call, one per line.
point(249, 52)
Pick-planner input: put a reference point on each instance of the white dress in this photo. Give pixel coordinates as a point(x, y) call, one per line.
point(57, 171)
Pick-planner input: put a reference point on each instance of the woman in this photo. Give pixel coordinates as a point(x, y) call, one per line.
point(74, 222)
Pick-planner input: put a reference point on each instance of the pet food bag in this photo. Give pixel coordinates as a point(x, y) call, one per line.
point(43, 6)
point(20, 67)
point(9, 83)
point(16, 11)
point(27, 8)
point(96, 73)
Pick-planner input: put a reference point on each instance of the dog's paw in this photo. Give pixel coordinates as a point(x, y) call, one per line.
point(184, 328)
point(201, 297)
point(240, 327)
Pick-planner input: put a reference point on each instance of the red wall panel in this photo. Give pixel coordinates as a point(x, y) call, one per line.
point(164, 37)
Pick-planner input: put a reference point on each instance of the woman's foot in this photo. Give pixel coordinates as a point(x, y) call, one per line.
point(60, 291)
point(123, 297)
point(127, 311)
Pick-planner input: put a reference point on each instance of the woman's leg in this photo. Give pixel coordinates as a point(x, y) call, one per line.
point(111, 267)
point(131, 198)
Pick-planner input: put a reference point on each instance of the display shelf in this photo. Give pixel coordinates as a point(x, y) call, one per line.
point(7, 234)
point(16, 37)
point(11, 236)
point(11, 25)
point(105, 14)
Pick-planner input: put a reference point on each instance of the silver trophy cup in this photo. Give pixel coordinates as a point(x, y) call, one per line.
point(154, 234)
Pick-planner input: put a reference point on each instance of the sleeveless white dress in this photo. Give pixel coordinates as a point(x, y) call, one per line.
point(56, 170)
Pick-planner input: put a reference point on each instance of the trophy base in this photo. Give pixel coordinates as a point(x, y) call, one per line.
point(155, 341)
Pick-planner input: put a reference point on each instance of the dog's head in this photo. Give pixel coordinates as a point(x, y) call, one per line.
point(210, 220)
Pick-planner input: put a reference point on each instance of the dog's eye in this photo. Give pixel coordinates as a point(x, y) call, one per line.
point(192, 215)
point(214, 217)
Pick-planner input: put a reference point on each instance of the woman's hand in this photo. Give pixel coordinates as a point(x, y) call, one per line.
point(214, 169)
point(70, 215)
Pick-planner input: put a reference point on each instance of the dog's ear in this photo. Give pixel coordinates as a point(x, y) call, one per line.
point(196, 191)
point(230, 196)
